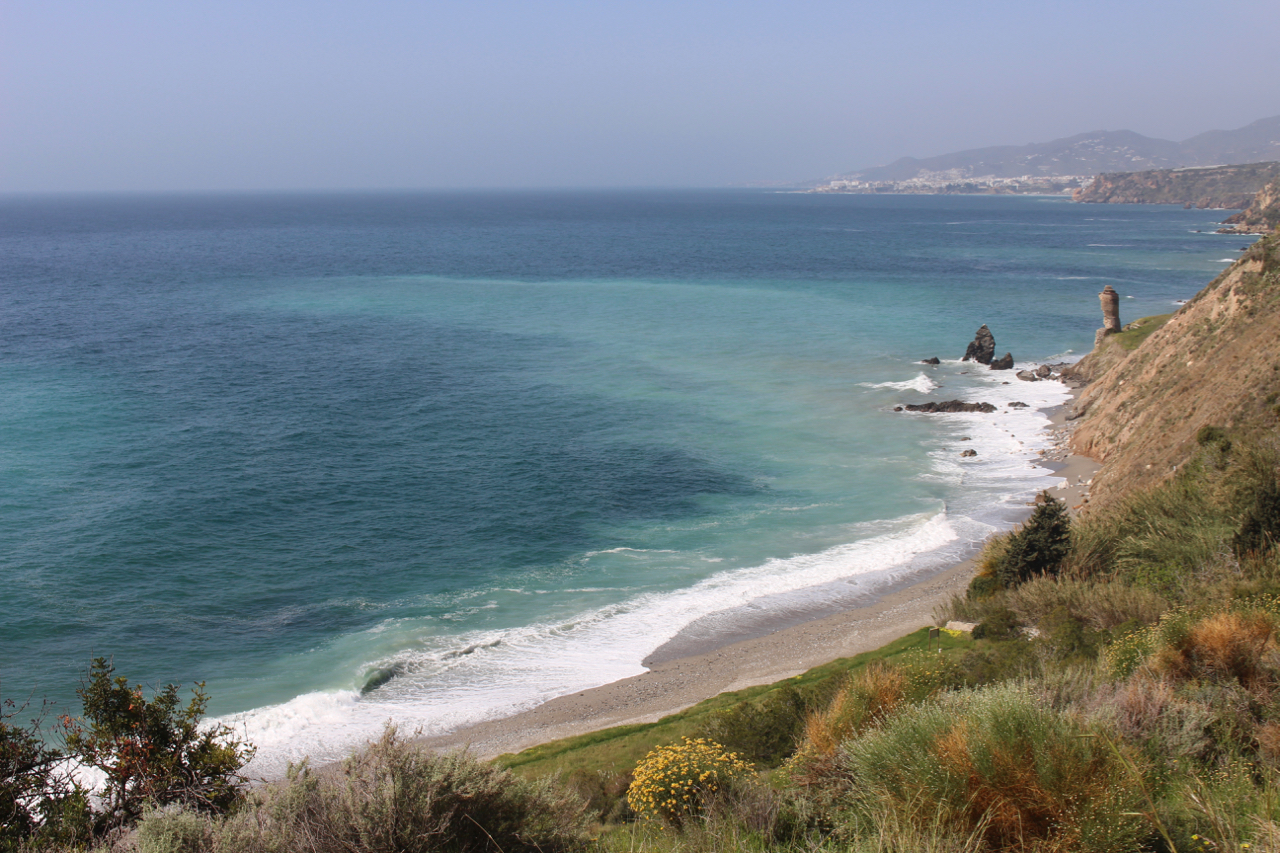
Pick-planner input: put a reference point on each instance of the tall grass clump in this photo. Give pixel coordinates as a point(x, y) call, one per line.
point(1185, 644)
point(396, 796)
point(993, 763)
point(1101, 606)
point(869, 697)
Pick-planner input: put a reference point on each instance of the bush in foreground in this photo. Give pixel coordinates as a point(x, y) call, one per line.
point(153, 753)
point(397, 796)
point(993, 763)
point(676, 782)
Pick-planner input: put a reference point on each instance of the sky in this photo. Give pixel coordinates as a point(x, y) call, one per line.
point(156, 95)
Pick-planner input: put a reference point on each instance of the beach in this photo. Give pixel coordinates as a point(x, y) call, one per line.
point(673, 685)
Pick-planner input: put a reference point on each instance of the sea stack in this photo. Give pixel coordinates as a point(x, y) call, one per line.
point(1110, 310)
point(983, 347)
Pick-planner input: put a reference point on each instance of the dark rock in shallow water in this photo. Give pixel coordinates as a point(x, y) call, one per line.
point(1005, 363)
point(933, 360)
point(1016, 405)
point(983, 347)
point(1044, 371)
point(950, 406)
point(1027, 375)
point(968, 453)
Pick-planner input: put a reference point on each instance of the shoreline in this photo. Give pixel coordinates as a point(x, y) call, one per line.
point(672, 685)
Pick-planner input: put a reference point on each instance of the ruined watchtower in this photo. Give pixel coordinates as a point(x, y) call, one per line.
point(1110, 309)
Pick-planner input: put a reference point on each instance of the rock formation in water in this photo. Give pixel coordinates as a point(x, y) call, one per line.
point(1005, 363)
point(950, 406)
point(983, 347)
point(933, 360)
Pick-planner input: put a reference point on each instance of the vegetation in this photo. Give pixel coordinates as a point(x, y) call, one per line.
point(678, 781)
point(1133, 334)
point(152, 753)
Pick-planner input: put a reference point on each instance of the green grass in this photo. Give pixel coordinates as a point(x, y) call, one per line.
point(619, 749)
point(1139, 330)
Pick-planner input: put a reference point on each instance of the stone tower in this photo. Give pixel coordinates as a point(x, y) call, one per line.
point(1110, 310)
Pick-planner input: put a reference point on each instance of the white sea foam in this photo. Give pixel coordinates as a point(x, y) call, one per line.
point(921, 383)
point(454, 681)
point(629, 551)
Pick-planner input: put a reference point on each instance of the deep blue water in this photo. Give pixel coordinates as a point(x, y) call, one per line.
point(276, 441)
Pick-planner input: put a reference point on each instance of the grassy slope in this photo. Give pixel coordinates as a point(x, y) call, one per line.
point(618, 749)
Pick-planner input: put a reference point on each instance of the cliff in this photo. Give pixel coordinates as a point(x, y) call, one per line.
point(1260, 217)
point(1216, 362)
point(1226, 187)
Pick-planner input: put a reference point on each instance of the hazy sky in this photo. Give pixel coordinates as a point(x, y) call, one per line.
point(276, 94)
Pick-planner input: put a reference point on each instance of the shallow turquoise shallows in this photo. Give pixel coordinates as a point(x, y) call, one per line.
point(495, 447)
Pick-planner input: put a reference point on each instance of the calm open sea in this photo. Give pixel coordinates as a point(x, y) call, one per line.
point(508, 444)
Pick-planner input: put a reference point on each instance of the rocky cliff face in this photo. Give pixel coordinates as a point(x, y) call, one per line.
point(1260, 217)
point(1225, 187)
point(1214, 362)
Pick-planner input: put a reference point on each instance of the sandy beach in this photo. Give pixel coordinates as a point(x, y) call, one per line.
point(674, 685)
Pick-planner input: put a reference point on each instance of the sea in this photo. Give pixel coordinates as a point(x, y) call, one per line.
point(437, 457)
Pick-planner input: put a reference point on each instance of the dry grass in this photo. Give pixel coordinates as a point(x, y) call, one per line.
point(873, 694)
point(1225, 645)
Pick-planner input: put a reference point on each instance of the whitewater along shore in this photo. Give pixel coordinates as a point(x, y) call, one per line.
point(673, 685)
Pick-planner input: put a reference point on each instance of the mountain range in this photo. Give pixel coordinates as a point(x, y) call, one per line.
point(1090, 154)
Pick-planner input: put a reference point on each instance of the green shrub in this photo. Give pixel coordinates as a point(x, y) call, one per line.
point(982, 586)
point(39, 802)
point(764, 731)
point(1039, 546)
point(995, 763)
point(1068, 638)
point(153, 753)
point(999, 625)
point(173, 831)
point(999, 661)
point(1260, 528)
point(1213, 435)
point(396, 796)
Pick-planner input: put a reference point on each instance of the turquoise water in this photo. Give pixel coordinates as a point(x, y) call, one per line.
point(509, 444)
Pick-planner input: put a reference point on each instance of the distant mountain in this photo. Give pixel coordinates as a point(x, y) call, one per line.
point(1090, 154)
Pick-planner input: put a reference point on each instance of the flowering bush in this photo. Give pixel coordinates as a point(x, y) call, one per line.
point(674, 782)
